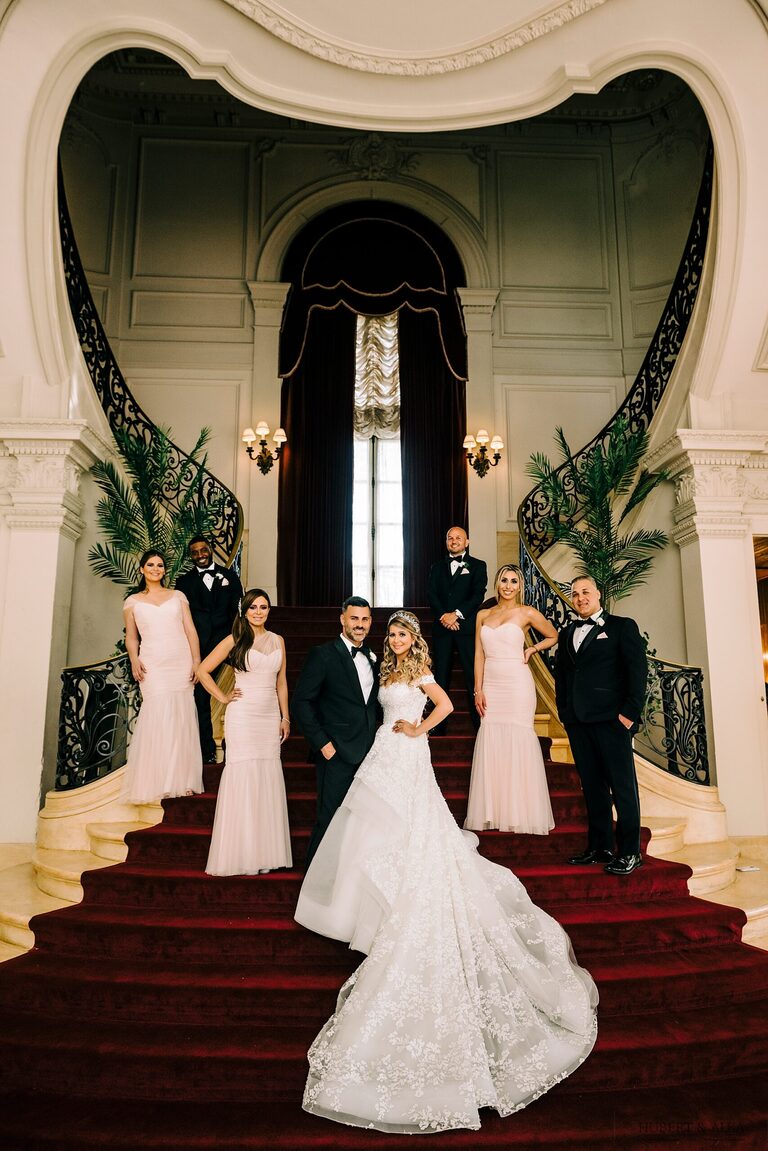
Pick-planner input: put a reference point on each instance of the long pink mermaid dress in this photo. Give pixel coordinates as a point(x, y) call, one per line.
point(250, 828)
point(508, 787)
point(164, 754)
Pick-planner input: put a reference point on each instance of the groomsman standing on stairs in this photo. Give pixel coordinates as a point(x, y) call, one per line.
point(335, 705)
point(600, 685)
point(214, 594)
point(455, 591)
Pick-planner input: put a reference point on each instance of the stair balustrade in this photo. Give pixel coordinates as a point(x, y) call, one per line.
point(673, 732)
point(99, 701)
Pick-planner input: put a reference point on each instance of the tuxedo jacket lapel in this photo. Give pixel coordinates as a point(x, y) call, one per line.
point(348, 667)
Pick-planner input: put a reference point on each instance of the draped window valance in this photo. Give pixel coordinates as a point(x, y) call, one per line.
point(373, 260)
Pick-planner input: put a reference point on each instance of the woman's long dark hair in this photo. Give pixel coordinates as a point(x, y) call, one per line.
point(148, 556)
point(242, 632)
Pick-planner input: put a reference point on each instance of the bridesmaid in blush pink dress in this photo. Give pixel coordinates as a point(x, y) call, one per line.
point(164, 754)
point(250, 828)
point(508, 787)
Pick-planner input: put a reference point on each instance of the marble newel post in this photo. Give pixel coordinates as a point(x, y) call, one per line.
point(478, 305)
point(721, 480)
point(268, 298)
point(41, 463)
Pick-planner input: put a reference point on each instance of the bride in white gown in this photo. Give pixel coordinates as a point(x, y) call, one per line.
point(470, 996)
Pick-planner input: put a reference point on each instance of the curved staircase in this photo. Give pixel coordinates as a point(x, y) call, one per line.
point(173, 1009)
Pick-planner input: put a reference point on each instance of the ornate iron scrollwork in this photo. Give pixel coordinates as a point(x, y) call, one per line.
point(673, 732)
point(99, 705)
point(99, 701)
point(122, 410)
point(645, 394)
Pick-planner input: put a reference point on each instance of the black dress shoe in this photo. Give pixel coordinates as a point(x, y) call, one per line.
point(624, 865)
point(598, 855)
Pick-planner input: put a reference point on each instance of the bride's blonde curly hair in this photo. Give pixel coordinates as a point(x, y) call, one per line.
point(416, 663)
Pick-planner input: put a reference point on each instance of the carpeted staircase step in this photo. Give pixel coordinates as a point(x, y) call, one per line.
point(198, 810)
point(723, 1116)
point(262, 1063)
point(181, 844)
point(179, 992)
point(149, 934)
point(159, 885)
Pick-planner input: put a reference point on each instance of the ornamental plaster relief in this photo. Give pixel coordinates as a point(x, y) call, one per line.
point(721, 481)
point(41, 471)
point(294, 31)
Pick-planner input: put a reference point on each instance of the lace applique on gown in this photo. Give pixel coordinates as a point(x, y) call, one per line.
point(470, 996)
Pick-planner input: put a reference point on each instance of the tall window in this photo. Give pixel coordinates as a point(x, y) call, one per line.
point(377, 503)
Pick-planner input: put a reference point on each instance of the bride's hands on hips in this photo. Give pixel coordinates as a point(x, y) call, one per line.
point(405, 728)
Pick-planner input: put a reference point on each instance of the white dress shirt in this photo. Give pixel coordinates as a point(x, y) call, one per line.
point(207, 574)
point(581, 633)
point(363, 667)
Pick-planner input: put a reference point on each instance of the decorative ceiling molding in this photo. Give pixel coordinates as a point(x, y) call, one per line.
point(280, 23)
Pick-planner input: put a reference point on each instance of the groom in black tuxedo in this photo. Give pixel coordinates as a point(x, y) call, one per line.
point(455, 592)
point(600, 685)
point(214, 594)
point(335, 705)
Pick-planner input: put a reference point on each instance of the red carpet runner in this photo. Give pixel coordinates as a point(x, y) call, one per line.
point(173, 1010)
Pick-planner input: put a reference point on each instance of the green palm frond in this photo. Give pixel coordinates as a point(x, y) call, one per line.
point(153, 500)
point(582, 495)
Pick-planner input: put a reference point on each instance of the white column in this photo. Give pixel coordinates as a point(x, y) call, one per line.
point(478, 305)
point(268, 300)
point(722, 492)
point(41, 462)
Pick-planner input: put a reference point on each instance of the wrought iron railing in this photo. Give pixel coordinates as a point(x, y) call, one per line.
point(99, 706)
point(99, 701)
point(121, 408)
point(673, 729)
point(644, 396)
point(672, 732)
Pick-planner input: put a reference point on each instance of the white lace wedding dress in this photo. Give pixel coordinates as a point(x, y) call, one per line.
point(470, 996)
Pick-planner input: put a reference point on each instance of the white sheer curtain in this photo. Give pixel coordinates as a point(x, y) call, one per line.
point(377, 504)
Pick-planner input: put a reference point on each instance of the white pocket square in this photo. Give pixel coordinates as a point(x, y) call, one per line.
point(602, 635)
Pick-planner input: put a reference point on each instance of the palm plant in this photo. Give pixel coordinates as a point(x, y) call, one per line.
point(160, 505)
point(584, 494)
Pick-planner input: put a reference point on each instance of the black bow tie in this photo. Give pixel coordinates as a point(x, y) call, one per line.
point(584, 623)
point(456, 559)
point(355, 651)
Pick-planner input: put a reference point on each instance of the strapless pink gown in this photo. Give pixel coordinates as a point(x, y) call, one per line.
point(164, 755)
point(508, 788)
point(250, 828)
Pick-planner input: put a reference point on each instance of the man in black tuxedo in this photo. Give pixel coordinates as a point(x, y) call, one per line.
point(600, 684)
point(455, 591)
point(335, 704)
point(214, 593)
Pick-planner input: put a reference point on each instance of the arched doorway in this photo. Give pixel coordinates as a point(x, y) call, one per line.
point(368, 259)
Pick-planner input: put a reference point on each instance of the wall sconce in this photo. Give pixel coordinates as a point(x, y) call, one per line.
point(479, 459)
point(266, 457)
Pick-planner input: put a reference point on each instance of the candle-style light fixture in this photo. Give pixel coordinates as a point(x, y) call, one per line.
point(265, 457)
point(477, 448)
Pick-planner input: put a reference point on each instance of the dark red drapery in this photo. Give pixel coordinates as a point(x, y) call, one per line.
point(432, 429)
point(314, 511)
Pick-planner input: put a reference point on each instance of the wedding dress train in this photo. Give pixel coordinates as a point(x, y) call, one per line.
point(470, 996)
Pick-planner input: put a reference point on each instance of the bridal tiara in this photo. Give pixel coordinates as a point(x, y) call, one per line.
point(408, 617)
